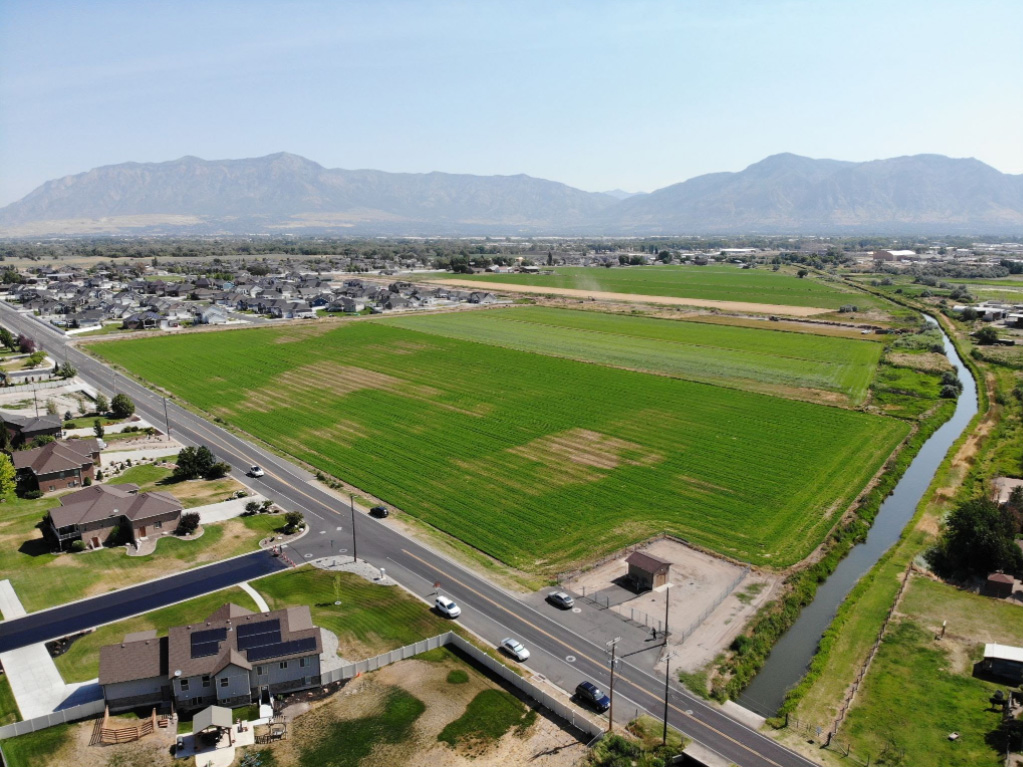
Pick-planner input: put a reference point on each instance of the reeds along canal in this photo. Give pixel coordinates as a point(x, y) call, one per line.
point(791, 656)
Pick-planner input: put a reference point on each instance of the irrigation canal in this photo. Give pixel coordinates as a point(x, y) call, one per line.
point(791, 656)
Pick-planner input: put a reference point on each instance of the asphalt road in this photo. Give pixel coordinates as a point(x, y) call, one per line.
point(559, 653)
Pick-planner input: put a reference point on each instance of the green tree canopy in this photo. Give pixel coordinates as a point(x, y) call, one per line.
point(7, 476)
point(122, 406)
point(979, 538)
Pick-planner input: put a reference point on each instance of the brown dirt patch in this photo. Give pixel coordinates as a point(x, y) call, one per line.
point(334, 379)
point(544, 744)
point(931, 362)
point(304, 332)
point(586, 448)
point(733, 306)
point(151, 751)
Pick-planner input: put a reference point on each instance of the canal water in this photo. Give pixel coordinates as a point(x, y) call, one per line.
point(791, 656)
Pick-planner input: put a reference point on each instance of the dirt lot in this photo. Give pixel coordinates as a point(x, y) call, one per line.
point(543, 743)
point(730, 306)
point(22, 401)
point(698, 580)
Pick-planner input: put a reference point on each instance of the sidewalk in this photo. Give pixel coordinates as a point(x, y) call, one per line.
point(36, 684)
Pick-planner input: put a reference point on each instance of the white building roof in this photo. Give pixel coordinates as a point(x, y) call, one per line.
point(1003, 652)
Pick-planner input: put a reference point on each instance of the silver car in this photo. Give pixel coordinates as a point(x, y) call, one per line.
point(515, 648)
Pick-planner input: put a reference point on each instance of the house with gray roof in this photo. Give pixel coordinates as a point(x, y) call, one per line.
point(228, 659)
point(94, 513)
point(58, 465)
point(25, 428)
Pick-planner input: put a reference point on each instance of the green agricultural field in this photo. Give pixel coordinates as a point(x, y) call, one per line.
point(710, 283)
point(747, 358)
point(538, 461)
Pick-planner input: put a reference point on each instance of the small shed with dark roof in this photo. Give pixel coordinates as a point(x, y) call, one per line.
point(647, 571)
point(1000, 585)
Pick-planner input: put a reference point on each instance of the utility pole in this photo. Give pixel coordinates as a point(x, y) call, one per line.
point(355, 548)
point(35, 396)
point(166, 418)
point(667, 660)
point(612, 647)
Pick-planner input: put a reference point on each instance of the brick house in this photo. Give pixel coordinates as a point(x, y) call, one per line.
point(228, 659)
point(92, 514)
point(58, 465)
point(23, 428)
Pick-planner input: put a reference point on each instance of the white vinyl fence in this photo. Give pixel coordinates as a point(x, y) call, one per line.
point(82, 711)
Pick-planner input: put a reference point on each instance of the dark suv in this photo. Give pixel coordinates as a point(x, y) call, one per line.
point(593, 696)
point(379, 511)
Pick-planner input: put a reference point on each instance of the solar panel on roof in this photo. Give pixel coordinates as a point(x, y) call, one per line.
point(205, 649)
point(262, 627)
point(259, 640)
point(283, 648)
point(210, 635)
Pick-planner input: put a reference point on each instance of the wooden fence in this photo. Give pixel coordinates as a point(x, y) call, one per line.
point(128, 733)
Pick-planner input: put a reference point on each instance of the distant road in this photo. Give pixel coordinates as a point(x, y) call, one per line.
point(489, 611)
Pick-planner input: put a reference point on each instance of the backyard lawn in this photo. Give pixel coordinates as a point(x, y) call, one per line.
point(371, 619)
point(42, 579)
point(8, 705)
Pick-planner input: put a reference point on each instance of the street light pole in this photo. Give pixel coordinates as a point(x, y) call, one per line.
point(355, 548)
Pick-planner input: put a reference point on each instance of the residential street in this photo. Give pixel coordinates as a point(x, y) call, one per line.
point(565, 646)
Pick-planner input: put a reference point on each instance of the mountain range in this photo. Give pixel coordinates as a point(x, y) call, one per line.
point(285, 193)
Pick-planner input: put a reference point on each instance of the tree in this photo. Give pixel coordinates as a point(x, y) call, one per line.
point(969, 314)
point(979, 538)
point(102, 404)
point(67, 370)
point(194, 462)
point(7, 476)
point(293, 520)
point(802, 273)
point(986, 336)
point(7, 338)
point(122, 406)
point(97, 428)
point(26, 345)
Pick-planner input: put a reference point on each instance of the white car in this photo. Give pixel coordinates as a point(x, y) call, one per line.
point(255, 471)
point(447, 607)
point(515, 648)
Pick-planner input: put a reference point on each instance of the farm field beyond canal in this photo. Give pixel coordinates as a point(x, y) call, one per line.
point(539, 461)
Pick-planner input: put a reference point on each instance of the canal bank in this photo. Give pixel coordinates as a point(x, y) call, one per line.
point(792, 654)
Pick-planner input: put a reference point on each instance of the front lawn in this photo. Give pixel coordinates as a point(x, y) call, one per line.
point(370, 620)
point(42, 579)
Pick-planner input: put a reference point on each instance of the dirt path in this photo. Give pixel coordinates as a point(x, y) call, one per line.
point(731, 306)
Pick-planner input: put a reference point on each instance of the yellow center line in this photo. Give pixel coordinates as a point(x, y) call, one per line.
point(578, 652)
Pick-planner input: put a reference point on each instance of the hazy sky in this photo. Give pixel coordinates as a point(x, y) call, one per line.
point(599, 95)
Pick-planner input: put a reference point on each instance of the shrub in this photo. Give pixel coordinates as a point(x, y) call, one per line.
point(847, 308)
point(218, 470)
point(252, 507)
point(293, 520)
point(78, 545)
point(87, 481)
point(188, 523)
point(99, 475)
point(33, 494)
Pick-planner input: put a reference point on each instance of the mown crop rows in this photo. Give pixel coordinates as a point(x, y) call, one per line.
point(536, 460)
point(731, 356)
point(716, 283)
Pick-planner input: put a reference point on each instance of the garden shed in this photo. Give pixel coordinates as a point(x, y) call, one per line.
point(999, 585)
point(647, 571)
